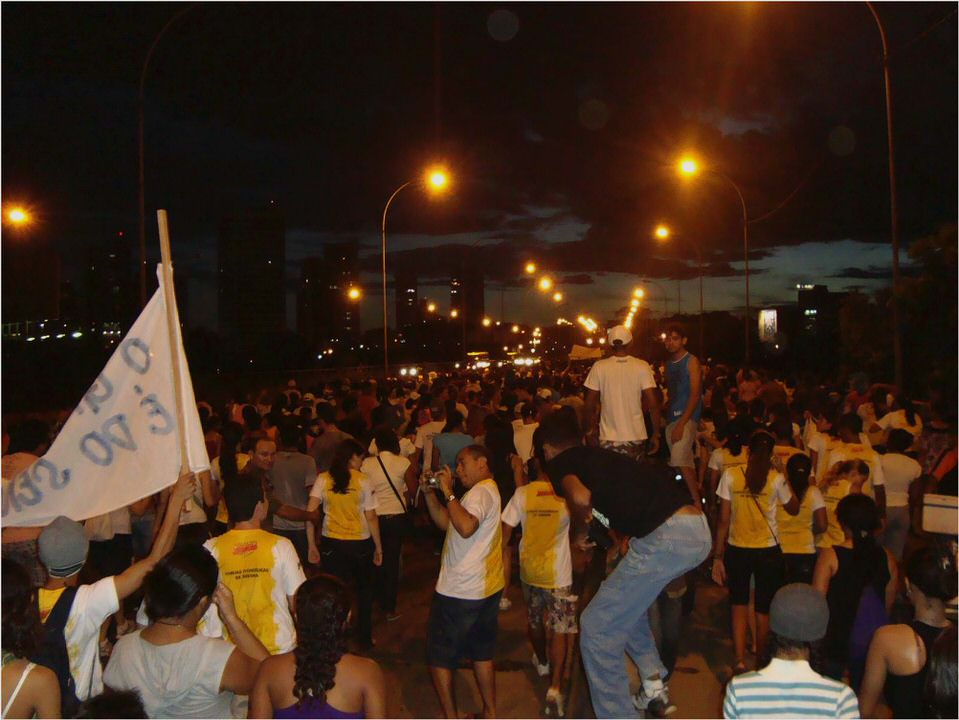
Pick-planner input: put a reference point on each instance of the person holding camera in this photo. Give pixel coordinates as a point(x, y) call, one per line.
point(463, 618)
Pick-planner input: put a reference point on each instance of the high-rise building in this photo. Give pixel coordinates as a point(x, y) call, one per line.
point(311, 301)
point(108, 282)
point(468, 294)
point(251, 259)
point(343, 272)
point(406, 297)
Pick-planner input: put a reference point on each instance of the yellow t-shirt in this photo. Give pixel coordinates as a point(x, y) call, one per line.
point(795, 531)
point(241, 460)
point(344, 514)
point(262, 571)
point(858, 451)
point(831, 495)
point(781, 455)
point(544, 556)
point(752, 522)
point(472, 568)
point(47, 599)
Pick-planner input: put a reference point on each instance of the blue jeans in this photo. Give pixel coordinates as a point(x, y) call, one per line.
point(616, 620)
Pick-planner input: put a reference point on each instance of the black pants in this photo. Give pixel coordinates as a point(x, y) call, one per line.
point(393, 531)
point(798, 568)
point(352, 560)
point(300, 543)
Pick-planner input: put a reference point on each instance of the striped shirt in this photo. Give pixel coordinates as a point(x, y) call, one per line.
point(788, 689)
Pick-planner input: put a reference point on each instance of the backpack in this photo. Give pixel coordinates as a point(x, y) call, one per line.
point(52, 652)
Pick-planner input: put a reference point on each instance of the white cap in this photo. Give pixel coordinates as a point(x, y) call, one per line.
point(619, 334)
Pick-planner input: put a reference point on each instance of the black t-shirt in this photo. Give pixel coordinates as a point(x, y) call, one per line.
point(635, 497)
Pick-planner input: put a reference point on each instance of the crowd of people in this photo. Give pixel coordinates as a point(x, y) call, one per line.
point(249, 590)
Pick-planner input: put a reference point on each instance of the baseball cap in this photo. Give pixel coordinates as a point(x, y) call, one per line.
point(62, 547)
point(620, 334)
point(799, 612)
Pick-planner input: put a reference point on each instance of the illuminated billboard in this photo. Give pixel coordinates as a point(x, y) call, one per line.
point(768, 325)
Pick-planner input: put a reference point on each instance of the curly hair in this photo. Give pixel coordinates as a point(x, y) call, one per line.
point(21, 616)
point(322, 610)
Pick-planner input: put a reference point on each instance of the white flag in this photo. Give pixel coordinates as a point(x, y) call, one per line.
point(120, 444)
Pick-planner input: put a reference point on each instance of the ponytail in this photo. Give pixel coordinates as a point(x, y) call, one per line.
point(760, 461)
point(340, 465)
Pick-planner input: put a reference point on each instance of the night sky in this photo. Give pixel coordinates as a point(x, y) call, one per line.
point(560, 125)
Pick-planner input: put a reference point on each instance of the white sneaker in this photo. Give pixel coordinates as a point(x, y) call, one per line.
point(554, 702)
point(505, 603)
point(541, 670)
point(656, 705)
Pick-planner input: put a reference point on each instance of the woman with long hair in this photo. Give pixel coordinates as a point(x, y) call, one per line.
point(178, 672)
point(29, 690)
point(939, 694)
point(319, 679)
point(852, 573)
point(747, 542)
point(797, 532)
point(225, 468)
point(898, 659)
point(351, 545)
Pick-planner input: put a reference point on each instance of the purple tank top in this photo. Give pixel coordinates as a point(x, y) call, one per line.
point(312, 708)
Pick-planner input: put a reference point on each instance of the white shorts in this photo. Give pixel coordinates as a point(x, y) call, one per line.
point(681, 452)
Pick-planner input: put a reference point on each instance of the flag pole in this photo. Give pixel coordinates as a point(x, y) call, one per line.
point(169, 301)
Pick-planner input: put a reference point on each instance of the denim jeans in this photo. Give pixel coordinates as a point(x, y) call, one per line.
point(616, 620)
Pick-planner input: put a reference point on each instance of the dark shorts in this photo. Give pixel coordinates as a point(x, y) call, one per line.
point(460, 629)
point(766, 564)
point(798, 568)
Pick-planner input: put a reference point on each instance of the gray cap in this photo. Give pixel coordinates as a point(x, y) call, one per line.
point(63, 546)
point(799, 612)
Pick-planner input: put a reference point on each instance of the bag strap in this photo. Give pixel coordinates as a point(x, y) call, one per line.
point(390, 481)
point(761, 513)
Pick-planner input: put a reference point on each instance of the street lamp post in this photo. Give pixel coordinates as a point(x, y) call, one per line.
point(141, 185)
point(663, 233)
point(893, 204)
point(690, 167)
point(437, 179)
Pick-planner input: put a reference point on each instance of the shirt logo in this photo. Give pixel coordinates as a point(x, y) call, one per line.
point(245, 548)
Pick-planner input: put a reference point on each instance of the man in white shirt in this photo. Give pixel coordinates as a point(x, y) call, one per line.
point(619, 384)
point(523, 433)
point(424, 436)
point(63, 548)
point(464, 614)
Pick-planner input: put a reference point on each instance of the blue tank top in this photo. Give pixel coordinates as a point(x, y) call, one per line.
point(312, 708)
point(677, 380)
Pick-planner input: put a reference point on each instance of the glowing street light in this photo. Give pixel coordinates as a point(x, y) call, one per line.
point(487, 322)
point(354, 293)
point(515, 328)
point(661, 232)
point(688, 166)
point(558, 297)
point(454, 313)
point(431, 307)
point(17, 216)
point(545, 284)
point(639, 293)
point(437, 179)
point(530, 268)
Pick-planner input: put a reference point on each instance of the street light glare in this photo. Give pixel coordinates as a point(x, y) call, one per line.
point(530, 268)
point(354, 293)
point(431, 307)
point(454, 313)
point(662, 232)
point(18, 216)
point(545, 284)
point(438, 179)
point(688, 166)
point(638, 293)
point(487, 322)
point(558, 297)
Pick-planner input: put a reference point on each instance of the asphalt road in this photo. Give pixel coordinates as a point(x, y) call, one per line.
point(703, 666)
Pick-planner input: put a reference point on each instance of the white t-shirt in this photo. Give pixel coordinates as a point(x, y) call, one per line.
point(620, 382)
point(386, 501)
point(472, 568)
point(544, 556)
point(91, 606)
point(896, 420)
point(179, 680)
point(899, 471)
point(860, 451)
point(523, 440)
point(424, 439)
point(344, 514)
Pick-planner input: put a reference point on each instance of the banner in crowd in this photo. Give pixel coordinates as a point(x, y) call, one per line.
point(120, 444)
